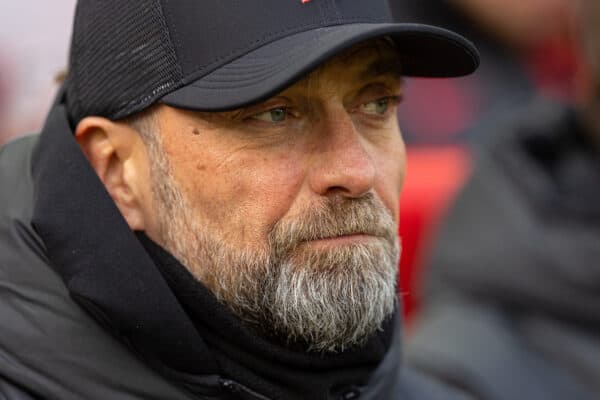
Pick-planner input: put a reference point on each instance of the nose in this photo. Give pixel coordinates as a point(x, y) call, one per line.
point(341, 161)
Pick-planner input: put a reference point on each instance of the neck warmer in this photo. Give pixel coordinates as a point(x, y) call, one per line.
point(266, 365)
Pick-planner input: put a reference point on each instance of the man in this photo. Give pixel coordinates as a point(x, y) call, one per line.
point(210, 210)
point(511, 308)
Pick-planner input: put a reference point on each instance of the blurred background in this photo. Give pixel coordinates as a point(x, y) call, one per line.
point(528, 47)
point(34, 40)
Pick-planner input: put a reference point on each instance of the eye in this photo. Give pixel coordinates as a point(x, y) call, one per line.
point(377, 107)
point(273, 115)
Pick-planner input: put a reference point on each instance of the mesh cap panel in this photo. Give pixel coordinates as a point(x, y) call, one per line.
point(121, 60)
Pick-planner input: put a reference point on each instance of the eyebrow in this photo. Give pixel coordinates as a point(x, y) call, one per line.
point(390, 66)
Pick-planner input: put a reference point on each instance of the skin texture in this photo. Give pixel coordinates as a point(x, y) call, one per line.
point(288, 209)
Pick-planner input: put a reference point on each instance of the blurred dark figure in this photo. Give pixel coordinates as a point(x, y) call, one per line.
point(525, 46)
point(512, 299)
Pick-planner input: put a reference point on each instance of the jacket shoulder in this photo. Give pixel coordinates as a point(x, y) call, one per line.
point(8, 391)
point(15, 172)
point(49, 347)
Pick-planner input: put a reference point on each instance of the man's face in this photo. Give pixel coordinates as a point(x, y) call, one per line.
point(287, 210)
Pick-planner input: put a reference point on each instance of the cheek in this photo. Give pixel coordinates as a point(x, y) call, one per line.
point(272, 190)
point(241, 195)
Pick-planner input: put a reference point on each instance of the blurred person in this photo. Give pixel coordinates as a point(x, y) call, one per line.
point(513, 21)
point(210, 210)
point(446, 120)
point(510, 309)
point(516, 65)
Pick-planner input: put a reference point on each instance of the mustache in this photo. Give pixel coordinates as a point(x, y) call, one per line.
point(334, 217)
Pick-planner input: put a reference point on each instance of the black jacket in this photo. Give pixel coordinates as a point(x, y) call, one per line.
point(88, 312)
point(513, 290)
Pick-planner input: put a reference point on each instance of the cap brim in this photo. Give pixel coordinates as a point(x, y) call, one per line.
point(425, 51)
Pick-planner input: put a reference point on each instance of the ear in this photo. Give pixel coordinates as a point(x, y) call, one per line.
point(117, 154)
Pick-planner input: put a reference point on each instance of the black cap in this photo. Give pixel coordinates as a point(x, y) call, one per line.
point(214, 55)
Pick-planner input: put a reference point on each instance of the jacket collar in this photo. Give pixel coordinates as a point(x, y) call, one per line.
point(266, 364)
point(101, 261)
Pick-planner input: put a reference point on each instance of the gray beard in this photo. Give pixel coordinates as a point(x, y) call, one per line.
point(329, 299)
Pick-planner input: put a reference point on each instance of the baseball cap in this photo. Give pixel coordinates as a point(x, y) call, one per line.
point(215, 55)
